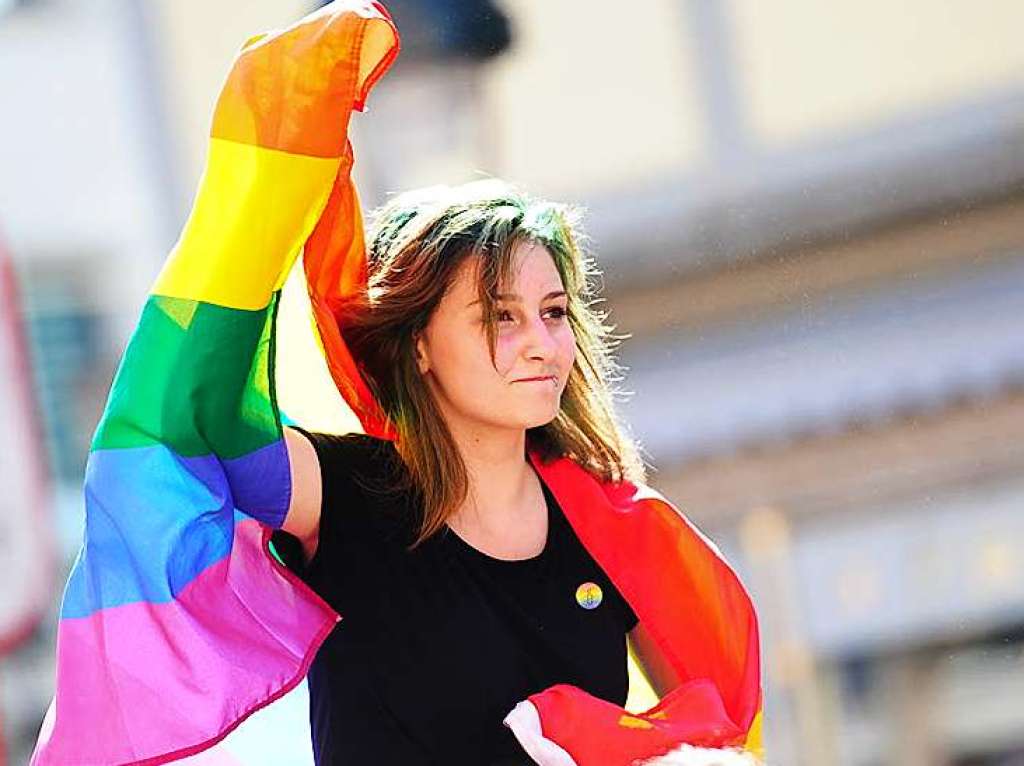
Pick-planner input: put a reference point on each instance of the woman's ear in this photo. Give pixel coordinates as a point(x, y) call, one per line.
point(420, 350)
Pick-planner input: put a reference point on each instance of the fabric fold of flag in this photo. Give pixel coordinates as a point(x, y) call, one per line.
point(176, 621)
point(696, 611)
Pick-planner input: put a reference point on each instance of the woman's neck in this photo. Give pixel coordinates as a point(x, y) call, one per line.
point(501, 480)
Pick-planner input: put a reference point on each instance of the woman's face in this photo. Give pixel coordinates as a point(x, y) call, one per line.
point(533, 339)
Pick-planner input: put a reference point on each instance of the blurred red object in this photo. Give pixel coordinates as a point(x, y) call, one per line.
point(27, 557)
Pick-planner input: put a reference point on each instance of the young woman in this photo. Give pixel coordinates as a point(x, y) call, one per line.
point(454, 567)
point(466, 570)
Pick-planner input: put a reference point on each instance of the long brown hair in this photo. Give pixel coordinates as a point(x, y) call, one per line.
point(416, 242)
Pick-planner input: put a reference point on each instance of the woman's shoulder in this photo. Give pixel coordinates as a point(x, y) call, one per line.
point(357, 464)
point(363, 493)
point(352, 439)
point(353, 449)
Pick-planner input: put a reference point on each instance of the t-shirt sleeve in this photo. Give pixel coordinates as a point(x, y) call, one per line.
point(337, 455)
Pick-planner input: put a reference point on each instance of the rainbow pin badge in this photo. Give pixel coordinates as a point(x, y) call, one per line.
point(589, 595)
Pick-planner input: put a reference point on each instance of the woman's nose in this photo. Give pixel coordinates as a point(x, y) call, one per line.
point(540, 342)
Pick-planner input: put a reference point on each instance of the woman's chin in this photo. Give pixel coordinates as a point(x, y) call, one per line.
point(523, 417)
point(543, 418)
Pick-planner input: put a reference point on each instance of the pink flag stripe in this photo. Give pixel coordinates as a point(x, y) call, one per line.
point(239, 624)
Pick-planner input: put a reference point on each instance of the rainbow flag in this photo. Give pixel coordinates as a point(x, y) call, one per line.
point(177, 621)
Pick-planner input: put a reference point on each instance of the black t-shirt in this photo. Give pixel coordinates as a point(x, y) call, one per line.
point(437, 645)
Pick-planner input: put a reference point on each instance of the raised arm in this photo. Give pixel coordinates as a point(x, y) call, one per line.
point(303, 517)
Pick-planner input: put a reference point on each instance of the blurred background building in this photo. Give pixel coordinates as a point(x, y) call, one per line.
point(811, 221)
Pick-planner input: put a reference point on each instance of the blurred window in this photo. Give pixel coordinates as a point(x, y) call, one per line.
point(10, 5)
point(858, 678)
point(65, 348)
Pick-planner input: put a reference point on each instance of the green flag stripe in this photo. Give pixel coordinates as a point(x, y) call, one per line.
point(196, 377)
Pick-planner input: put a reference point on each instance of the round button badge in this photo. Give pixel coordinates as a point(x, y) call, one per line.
point(589, 595)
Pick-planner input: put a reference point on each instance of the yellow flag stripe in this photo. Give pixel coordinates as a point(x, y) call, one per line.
point(254, 210)
point(755, 743)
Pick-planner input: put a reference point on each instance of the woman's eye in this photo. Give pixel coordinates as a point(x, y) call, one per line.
point(504, 315)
